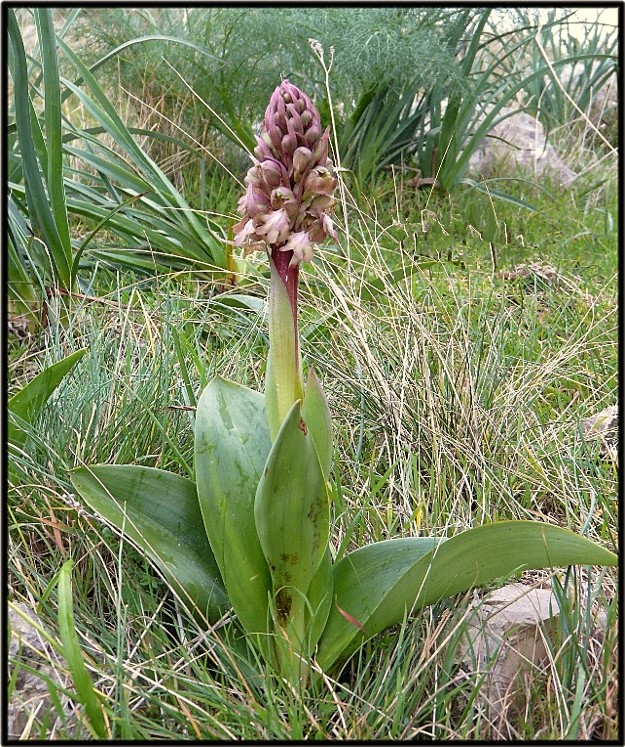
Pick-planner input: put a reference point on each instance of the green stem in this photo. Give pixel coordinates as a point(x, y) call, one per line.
point(283, 384)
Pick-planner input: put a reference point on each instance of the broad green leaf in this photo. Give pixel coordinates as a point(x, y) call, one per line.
point(363, 581)
point(376, 585)
point(231, 447)
point(316, 415)
point(72, 652)
point(26, 404)
point(160, 514)
point(292, 515)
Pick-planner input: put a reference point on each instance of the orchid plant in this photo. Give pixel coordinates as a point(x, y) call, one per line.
point(252, 533)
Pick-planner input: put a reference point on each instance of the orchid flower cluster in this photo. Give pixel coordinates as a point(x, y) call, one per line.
point(285, 211)
point(290, 185)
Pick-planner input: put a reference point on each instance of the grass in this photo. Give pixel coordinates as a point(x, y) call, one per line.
point(457, 398)
point(457, 384)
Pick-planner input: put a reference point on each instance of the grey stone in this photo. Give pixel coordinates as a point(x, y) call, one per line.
point(505, 640)
point(603, 427)
point(31, 661)
point(517, 143)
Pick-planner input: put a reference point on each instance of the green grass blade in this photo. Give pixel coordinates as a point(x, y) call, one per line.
point(20, 284)
point(74, 656)
point(140, 40)
point(166, 243)
point(36, 195)
point(106, 219)
point(485, 189)
point(56, 191)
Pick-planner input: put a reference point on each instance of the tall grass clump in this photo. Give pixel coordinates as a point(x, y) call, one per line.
point(380, 55)
point(93, 172)
point(412, 90)
point(580, 86)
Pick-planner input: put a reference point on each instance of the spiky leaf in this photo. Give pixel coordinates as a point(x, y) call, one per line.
point(26, 404)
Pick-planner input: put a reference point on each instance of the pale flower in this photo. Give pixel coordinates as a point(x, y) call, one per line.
point(300, 244)
point(274, 226)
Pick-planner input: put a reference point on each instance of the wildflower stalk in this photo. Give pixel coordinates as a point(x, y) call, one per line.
point(284, 211)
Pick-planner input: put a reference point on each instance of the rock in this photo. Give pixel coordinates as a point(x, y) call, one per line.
point(518, 143)
point(32, 660)
point(532, 274)
point(505, 640)
point(603, 427)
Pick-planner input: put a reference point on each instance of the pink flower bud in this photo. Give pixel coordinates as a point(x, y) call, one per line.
point(322, 202)
point(273, 148)
point(275, 134)
point(272, 173)
point(251, 178)
point(312, 135)
point(301, 161)
point(256, 201)
point(319, 181)
point(316, 231)
point(289, 143)
point(294, 120)
point(263, 150)
point(319, 227)
point(320, 151)
point(245, 236)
